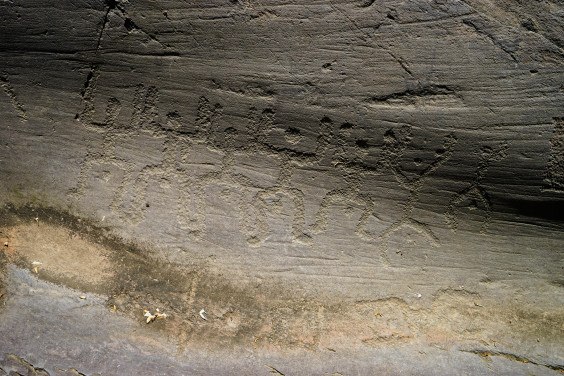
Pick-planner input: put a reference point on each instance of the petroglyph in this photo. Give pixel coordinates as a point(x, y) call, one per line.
point(394, 145)
point(476, 193)
point(351, 166)
point(112, 132)
point(258, 204)
point(352, 162)
point(254, 203)
point(256, 226)
point(289, 160)
point(207, 117)
point(145, 110)
point(555, 167)
point(169, 171)
point(226, 175)
point(9, 90)
point(144, 118)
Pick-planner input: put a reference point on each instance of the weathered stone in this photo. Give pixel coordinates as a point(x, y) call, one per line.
point(18, 366)
point(295, 167)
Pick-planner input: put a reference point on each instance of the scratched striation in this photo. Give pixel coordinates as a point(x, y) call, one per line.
point(179, 127)
point(353, 150)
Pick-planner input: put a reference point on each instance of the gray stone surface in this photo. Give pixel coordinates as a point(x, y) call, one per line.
point(296, 167)
point(58, 325)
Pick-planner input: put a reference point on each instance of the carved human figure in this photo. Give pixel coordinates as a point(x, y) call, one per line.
point(256, 225)
point(391, 157)
point(475, 192)
point(354, 172)
point(111, 132)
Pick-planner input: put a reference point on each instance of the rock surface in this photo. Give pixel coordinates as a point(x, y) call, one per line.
point(346, 187)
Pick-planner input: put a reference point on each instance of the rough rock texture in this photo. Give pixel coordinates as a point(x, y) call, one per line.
point(346, 187)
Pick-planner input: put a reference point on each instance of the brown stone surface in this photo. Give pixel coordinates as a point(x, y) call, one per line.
point(346, 187)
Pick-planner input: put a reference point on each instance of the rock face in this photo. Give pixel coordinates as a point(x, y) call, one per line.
point(357, 181)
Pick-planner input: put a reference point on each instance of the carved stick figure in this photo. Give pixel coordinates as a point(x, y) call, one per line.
point(476, 191)
point(414, 185)
point(171, 172)
point(226, 175)
point(259, 126)
point(354, 173)
point(112, 132)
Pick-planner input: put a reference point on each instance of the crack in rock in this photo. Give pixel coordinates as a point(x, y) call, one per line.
point(516, 358)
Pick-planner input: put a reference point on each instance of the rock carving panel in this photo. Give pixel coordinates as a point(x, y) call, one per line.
point(256, 203)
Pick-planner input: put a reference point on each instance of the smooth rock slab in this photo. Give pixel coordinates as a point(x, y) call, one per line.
point(60, 334)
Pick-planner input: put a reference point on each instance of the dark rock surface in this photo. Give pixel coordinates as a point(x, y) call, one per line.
point(346, 187)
